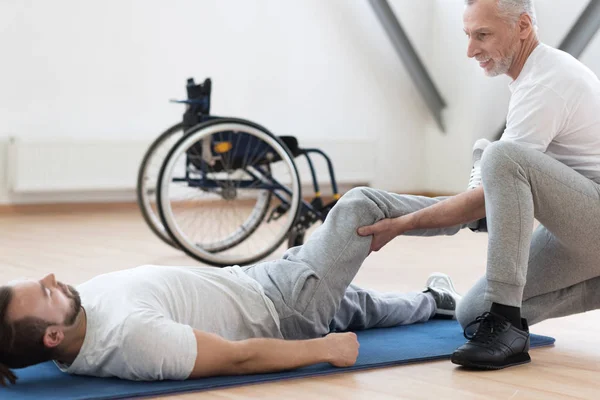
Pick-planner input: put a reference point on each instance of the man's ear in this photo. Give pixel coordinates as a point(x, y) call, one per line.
point(53, 337)
point(525, 26)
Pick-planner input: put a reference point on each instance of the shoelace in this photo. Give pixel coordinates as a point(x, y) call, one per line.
point(488, 330)
point(475, 178)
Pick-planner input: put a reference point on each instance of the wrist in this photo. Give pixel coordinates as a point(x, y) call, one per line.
point(321, 350)
point(414, 221)
point(407, 223)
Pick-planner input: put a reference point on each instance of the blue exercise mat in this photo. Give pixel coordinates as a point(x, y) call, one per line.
point(433, 340)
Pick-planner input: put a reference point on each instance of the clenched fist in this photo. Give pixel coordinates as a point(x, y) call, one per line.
point(342, 349)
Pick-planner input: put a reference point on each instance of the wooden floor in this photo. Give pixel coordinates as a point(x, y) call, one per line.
point(81, 244)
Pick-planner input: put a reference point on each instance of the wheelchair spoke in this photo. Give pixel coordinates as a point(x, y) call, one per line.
point(258, 157)
point(226, 160)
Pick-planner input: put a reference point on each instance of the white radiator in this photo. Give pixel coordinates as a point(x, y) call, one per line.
point(77, 165)
point(67, 165)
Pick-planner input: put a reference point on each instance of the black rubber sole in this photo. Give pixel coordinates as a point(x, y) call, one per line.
point(513, 361)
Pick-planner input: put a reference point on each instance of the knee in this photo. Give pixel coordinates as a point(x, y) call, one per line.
point(498, 153)
point(364, 203)
point(356, 192)
point(472, 304)
point(358, 195)
point(353, 202)
point(499, 156)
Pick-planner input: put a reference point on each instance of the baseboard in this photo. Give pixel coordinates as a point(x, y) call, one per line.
point(65, 208)
point(115, 206)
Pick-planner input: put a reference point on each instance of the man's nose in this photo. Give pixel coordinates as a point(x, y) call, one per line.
point(49, 280)
point(472, 49)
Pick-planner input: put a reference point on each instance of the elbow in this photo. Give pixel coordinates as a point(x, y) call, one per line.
point(243, 356)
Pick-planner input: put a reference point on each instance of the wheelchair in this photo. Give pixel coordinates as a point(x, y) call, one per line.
point(226, 191)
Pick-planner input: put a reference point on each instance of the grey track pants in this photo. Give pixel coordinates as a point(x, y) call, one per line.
point(555, 271)
point(551, 273)
point(311, 285)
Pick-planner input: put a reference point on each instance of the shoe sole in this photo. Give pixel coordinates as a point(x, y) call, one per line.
point(446, 313)
point(518, 359)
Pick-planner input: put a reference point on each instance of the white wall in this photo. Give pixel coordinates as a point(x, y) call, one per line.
point(311, 68)
point(478, 104)
point(316, 69)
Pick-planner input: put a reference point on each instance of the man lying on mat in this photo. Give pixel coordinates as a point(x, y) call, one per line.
point(154, 323)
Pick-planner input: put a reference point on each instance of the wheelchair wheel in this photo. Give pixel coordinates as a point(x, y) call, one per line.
point(147, 180)
point(228, 192)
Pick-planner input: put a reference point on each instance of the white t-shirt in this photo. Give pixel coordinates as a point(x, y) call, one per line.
point(139, 321)
point(555, 108)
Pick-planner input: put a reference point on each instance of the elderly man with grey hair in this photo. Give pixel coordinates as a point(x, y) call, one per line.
point(546, 166)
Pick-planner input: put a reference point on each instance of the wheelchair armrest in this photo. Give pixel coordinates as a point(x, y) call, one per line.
point(292, 144)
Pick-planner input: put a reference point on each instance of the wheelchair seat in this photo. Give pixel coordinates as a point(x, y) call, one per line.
point(237, 151)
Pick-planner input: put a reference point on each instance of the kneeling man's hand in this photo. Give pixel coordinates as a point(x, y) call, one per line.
point(384, 231)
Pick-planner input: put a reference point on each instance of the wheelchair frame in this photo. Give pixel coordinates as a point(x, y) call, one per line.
point(198, 112)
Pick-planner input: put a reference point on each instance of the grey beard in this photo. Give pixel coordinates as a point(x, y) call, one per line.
point(501, 67)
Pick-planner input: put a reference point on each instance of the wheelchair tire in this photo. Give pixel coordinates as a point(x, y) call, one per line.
point(146, 189)
point(209, 156)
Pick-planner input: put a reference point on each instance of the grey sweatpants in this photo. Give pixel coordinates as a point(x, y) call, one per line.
point(311, 285)
point(554, 272)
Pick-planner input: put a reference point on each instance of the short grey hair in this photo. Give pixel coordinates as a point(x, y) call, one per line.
point(513, 9)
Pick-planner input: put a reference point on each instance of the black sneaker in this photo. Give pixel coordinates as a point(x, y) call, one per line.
point(446, 297)
point(496, 344)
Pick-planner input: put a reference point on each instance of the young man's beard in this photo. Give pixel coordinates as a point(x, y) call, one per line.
point(75, 304)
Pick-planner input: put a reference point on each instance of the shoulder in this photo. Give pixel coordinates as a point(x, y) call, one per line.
point(156, 348)
point(537, 96)
point(562, 73)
